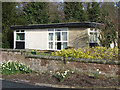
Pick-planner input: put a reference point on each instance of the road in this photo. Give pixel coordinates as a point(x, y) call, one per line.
point(11, 84)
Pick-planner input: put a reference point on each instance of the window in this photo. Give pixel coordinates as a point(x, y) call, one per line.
point(17, 30)
point(19, 39)
point(22, 30)
point(57, 38)
point(20, 36)
point(93, 35)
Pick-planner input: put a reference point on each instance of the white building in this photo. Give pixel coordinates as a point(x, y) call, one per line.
point(56, 36)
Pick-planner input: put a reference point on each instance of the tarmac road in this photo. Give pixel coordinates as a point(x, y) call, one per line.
point(11, 84)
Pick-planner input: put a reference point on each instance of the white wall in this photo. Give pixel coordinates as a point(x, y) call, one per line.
point(36, 39)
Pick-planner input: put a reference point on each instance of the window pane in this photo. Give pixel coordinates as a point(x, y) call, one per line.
point(57, 36)
point(95, 29)
point(91, 29)
point(50, 45)
point(55, 45)
point(17, 30)
point(64, 29)
point(64, 45)
point(95, 37)
point(20, 36)
point(91, 36)
point(50, 36)
point(64, 36)
point(57, 29)
point(50, 29)
point(22, 30)
point(58, 45)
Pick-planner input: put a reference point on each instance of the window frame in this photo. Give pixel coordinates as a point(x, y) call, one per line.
point(55, 41)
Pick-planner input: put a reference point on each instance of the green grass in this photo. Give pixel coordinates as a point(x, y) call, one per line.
point(45, 54)
point(40, 53)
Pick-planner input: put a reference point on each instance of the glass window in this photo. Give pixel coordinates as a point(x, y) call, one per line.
point(50, 36)
point(91, 36)
point(64, 36)
point(57, 29)
point(64, 29)
point(57, 39)
point(50, 45)
point(50, 29)
point(22, 30)
point(95, 37)
point(64, 45)
point(58, 45)
point(57, 36)
point(20, 36)
point(91, 29)
point(17, 30)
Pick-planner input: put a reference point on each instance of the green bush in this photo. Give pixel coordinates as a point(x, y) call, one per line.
point(9, 67)
point(89, 53)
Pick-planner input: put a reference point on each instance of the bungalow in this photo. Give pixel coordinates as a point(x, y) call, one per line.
point(56, 36)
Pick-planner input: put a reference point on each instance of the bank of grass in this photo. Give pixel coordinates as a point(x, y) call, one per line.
point(35, 52)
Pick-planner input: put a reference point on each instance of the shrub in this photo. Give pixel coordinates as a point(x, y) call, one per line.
point(9, 67)
point(89, 53)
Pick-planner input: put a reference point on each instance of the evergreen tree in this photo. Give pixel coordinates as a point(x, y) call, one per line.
point(93, 11)
point(10, 17)
point(55, 10)
point(74, 11)
point(36, 13)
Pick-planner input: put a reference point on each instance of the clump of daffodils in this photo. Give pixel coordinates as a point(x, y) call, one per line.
point(62, 75)
point(10, 67)
point(89, 53)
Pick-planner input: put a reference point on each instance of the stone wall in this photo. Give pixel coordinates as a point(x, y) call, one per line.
point(78, 37)
point(44, 64)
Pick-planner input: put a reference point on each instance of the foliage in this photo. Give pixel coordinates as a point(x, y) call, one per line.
point(55, 10)
point(108, 34)
point(36, 13)
point(0, 40)
point(10, 17)
point(74, 11)
point(62, 75)
point(89, 53)
point(93, 11)
point(9, 67)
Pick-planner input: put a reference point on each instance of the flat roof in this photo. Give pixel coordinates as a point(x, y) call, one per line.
point(59, 25)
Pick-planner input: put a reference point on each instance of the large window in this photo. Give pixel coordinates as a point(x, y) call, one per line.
point(19, 39)
point(93, 37)
point(57, 38)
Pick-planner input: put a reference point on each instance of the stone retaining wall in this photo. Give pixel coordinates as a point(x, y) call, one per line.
point(44, 64)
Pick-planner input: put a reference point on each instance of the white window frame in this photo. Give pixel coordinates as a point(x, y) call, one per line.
point(54, 41)
point(93, 31)
point(15, 34)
